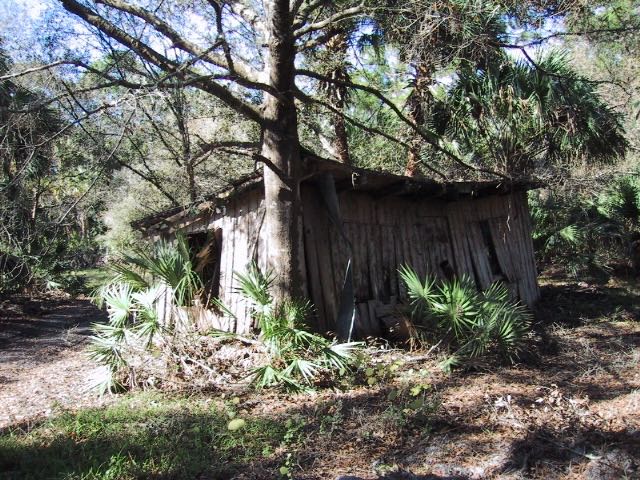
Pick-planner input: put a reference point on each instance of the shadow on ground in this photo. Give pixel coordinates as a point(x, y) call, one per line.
point(577, 304)
point(603, 454)
point(522, 422)
point(38, 328)
point(172, 444)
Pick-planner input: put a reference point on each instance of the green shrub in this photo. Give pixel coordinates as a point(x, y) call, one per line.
point(469, 323)
point(165, 262)
point(130, 298)
point(296, 356)
point(580, 230)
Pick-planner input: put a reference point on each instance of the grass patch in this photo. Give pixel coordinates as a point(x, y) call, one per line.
point(146, 436)
point(399, 410)
point(162, 436)
point(84, 282)
point(94, 277)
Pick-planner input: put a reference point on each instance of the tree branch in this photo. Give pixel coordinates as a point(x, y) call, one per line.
point(42, 104)
point(180, 42)
point(596, 31)
point(160, 134)
point(430, 137)
point(151, 178)
point(343, 15)
point(308, 99)
point(372, 130)
point(537, 66)
point(303, 97)
point(225, 45)
point(318, 40)
point(206, 148)
point(37, 69)
point(159, 60)
point(248, 14)
point(239, 72)
point(302, 14)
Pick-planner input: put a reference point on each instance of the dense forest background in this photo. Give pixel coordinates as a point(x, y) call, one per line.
point(93, 138)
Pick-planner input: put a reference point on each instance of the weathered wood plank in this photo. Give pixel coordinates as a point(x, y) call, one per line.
point(374, 326)
point(263, 256)
point(502, 235)
point(240, 260)
point(323, 239)
point(480, 255)
point(361, 247)
point(459, 241)
point(446, 263)
point(229, 233)
point(517, 247)
point(329, 287)
point(400, 259)
point(527, 252)
point(374, 262)
point(362, 320)
point(311, 228)
point(405, 224)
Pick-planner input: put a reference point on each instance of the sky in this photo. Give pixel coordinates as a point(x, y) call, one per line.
point(23, 23)
point(10, 10)
point(17, 20)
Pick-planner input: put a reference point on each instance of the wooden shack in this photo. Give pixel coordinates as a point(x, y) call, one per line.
point(382, 221)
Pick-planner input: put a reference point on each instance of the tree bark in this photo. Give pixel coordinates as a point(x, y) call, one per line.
point(281, 149)
point(337, 48)
point(179, 108)
point(421, 81)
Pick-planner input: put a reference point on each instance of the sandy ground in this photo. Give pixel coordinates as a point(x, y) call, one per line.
point(44, 366)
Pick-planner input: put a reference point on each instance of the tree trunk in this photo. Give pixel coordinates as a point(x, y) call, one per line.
point(179, 107)
point(413, 159)
point(191, 179)
point(415, 101)
point(337, 48)
point(281, 150)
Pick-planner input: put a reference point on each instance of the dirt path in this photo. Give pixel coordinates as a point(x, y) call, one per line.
point(43, 361)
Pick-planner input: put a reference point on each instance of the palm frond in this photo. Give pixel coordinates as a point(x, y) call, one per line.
point(266, 376)
point(117, 298)
point(254, 285)
point(300, 367)
point(474, 323)
point(421, 294)
point(341, 355)
point(131, 298)
point(519, 118)
point(457, 306)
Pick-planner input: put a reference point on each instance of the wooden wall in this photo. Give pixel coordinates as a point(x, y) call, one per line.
point(243, 240)
point(488, 239)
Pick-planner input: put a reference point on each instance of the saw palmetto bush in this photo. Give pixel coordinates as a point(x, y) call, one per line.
point(297, 358)
point(469, 323)
point(526, 121)
point(587, 229)
point(287, 354)
point(130, 298)
point(165, 262)
point(133, 324)
point(560, 228)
